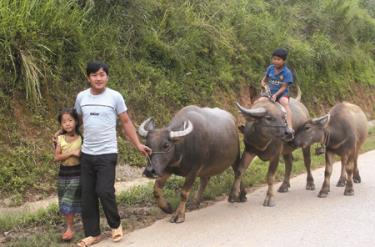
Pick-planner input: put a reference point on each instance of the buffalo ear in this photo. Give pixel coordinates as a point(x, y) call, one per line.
point(322, 121)
point(151, 124)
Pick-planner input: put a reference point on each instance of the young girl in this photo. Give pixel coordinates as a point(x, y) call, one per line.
point(67, 152)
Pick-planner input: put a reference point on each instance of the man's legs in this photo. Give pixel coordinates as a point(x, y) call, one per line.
point(105, 190)
point(89, 200)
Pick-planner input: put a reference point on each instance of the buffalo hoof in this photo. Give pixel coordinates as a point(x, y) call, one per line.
point(283, 188)
point(349, 192)
point(323, 194)
point(243, 197)
point(310, 186)
point(341, 183)
point(357, 179)
point(268, 202)
point(168, 209)
point(233, 198)
point(177, 218)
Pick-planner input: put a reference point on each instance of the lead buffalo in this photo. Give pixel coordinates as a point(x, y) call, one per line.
point(265, 136)
point(342, 131)
point(198, 142)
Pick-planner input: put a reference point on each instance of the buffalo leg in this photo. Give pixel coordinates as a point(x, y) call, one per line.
point(349, 166)
point(179, 215)
point(327, 175)
point(198, 196)
point(288, 169)
point(342, 179)
point(307, 160)
point(269, 201)
point(245, 161)
point(159, 196)
point(243, 197)
point(356, 176)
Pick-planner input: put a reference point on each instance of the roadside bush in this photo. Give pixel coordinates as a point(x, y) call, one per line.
point(164, 55)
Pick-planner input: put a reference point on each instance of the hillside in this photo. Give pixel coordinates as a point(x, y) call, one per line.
point(164, 55)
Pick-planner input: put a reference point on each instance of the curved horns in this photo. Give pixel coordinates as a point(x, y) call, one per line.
point(257, 112)
point(188, 127)
point(143, 130)
point(299, 93)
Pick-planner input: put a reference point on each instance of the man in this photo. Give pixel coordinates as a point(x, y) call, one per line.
point(99, 107)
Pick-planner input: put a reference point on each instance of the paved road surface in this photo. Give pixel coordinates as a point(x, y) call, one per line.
point(299, 218)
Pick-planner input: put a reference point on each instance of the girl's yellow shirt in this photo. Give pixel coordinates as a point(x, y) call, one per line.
point(68, 147)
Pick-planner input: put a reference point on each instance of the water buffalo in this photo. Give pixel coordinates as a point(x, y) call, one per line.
point(342, 131)
point(265, 136)
point(198, 142)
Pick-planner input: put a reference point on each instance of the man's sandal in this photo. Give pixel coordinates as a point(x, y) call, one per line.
point(117, 234)
point(88, 241)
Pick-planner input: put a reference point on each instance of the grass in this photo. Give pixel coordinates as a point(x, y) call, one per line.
point(142, 196)
point(172, 53)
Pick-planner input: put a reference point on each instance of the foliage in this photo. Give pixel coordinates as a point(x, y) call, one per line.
point(164, 55)
point(24, 165)
point(38, 39)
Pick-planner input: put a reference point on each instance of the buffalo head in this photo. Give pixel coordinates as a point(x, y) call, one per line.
point(163, 143)
point(311, 132)
point(268, 119)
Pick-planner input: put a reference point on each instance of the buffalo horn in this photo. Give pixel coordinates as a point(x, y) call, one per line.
point(188, 127)
point(257, 112)
point(142, 130)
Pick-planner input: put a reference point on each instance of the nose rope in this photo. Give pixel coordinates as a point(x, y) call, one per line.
point(275, 126)
point(158, 152)
point(148, 158)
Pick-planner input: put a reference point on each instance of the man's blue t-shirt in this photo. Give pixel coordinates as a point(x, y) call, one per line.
point(276, 80)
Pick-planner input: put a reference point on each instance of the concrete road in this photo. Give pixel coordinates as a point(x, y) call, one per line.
point(299, 218)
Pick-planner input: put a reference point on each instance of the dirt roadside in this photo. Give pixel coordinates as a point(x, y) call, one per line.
point(127, 177)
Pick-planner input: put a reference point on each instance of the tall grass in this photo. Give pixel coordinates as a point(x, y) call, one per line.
point(164, 55)
point(37, 36)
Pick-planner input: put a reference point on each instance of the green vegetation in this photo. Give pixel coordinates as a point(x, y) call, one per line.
point(164, 55)
point(142, 196)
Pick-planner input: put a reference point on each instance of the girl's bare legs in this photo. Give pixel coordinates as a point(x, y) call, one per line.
point(68, 234)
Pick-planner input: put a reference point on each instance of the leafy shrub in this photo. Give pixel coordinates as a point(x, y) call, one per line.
point(164, 55)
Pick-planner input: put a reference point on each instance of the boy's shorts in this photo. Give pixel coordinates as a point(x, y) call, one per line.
point(280, 96)
point(264, 94)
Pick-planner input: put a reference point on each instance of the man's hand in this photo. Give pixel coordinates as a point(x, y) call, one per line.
point(274, 97)
point(130, 131)
point(144, 149)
